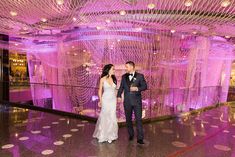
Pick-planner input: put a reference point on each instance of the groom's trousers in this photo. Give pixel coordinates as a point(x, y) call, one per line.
point(138, 117)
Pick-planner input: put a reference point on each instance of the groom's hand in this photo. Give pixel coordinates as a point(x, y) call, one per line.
point(133, 89)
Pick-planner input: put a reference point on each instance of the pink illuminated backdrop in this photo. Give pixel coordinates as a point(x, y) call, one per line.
point(184, 48)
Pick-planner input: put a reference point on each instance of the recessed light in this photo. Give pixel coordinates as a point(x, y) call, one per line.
point(60, 2)
point(139, 29)
point(225, 3)
point(151, 6)
point(43, 19)
point(194, 32)
point(122, 12)
point(188, 3)
point(98, 27)
point(227, 36)
point(119, 40)
point(172, 31)
point(25, 28)
point(107, 20)
point(13, 13)
point(74, 19)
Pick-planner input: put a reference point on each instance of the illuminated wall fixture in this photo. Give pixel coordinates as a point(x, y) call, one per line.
point(227, 36)
point(188, 3)
point(151, 6)
point(122, 12)
point(13, 13)
point(194, 32)
point(60, 2)
point(225, 3)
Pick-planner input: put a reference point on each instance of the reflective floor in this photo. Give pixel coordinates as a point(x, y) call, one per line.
point(27, 133)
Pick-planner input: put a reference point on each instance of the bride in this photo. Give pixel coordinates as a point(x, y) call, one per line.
point(106, 127)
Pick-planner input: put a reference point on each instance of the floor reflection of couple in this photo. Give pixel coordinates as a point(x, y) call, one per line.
point(132, 84)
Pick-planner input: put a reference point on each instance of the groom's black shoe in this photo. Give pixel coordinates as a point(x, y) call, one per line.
point(131, 138)
point(140, 141)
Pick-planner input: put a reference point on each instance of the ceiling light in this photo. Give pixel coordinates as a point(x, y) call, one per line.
point(25, 28)
point(227, 36)
point(122, 12)
point(225, 3)
point(74, 19)
point(188, 3)
point(13, 13)
point(119, 40)
point(43, 19)
point(16, 44)
point(139, 29)
point(107, 21)
point(98, 27)
point(60, 2)
point(172, 31)
point(151, 5)
point(194, 32)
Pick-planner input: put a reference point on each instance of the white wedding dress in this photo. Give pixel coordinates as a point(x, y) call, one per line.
point(106, 127)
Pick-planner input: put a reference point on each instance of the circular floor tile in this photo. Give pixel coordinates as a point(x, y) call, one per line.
point(46, 127)
point(7, 146)
point(36, 132)
point(226, 131)
point(222, 147)
point(167, 131)
point(74, 130)
point(201, 133)
point(47, 152)
point(23, 138)
point(67, 135)
point(55, 123)
point(179, 144)
point(58, 143)
point(224, 121)
point(214, 126)
point(80, 125)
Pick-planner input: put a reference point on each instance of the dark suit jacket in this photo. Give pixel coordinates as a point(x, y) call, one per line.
point(132, 98)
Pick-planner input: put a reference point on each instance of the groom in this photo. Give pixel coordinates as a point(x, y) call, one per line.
point(133, 84)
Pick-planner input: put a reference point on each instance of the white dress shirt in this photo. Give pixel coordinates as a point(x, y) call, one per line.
point(131, 76)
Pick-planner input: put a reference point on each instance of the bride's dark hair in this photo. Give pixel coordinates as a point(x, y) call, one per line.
point(105, 72)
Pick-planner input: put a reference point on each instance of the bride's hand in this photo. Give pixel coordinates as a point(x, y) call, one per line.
point(99, 103)
point(119, 100)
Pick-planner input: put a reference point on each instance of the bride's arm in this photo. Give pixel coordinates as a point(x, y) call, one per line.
point(100, 90)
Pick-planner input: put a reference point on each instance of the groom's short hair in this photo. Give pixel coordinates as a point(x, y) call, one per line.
point(131, 63)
